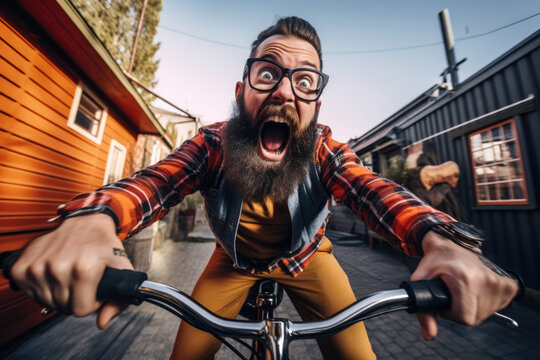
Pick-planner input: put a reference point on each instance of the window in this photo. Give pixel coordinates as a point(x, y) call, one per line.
point(115, 162)
point(367, 161)
point(88, 115)
point(497, 165)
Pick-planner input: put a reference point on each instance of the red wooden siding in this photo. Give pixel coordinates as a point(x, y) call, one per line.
point(43, 162)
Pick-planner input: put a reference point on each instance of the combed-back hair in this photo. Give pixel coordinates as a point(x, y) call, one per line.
point(294, 26)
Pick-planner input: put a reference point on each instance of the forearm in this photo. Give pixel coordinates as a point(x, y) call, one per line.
point(136, 202)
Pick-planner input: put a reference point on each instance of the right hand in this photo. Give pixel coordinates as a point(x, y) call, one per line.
point(62, 269)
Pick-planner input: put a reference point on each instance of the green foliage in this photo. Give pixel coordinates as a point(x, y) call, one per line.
point(115, 24)
point(399, 174)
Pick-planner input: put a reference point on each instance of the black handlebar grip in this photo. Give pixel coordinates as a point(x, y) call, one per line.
point(121, 285)
point(7, 259)
point(427, 295)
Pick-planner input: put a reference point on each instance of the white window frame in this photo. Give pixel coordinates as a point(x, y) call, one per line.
point(156, 153)
point(75, 109)
point(121, 161)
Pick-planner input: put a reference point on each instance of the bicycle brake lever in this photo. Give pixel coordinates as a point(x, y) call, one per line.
point(507, 320)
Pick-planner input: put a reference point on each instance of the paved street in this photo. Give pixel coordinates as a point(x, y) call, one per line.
point(150, 331)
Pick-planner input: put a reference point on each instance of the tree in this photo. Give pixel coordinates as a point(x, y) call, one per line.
point(115, 24)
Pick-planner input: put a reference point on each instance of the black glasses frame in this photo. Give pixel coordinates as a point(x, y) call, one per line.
point(285, 72)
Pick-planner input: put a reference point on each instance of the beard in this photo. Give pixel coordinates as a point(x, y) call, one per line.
point(251, 176)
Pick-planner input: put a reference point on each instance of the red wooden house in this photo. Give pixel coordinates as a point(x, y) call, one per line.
point(70, 121)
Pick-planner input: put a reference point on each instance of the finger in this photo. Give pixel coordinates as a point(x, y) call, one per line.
point(37, 287)
point(428, 323)
point(107, 312)
point(83, 290)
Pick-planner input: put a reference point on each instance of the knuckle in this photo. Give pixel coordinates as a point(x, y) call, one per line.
point(83, 270)
point(57, 269)
point(34, 271)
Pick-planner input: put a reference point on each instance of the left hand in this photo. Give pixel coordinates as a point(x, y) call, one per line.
point(477, 290)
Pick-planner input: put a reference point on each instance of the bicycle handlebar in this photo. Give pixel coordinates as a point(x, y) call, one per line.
point(132, 287)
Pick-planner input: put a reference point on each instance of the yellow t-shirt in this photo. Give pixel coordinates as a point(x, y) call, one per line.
point(264, 230)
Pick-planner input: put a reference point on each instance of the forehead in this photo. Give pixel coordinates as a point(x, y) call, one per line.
point(289, 51)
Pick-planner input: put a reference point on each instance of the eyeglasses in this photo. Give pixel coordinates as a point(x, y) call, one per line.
point(265, 75)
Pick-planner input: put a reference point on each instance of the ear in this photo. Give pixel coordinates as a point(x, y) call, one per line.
point(238, 89)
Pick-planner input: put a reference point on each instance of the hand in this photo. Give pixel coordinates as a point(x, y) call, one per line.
point(478, 287)
point(62, 269)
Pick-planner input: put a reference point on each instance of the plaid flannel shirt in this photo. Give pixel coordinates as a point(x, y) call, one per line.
point(387, 208)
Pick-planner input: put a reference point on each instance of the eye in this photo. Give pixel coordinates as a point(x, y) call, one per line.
point(304, 82)
point(266, 74)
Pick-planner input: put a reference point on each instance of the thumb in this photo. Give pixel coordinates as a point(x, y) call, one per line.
point(428, 323)
point(107, 312)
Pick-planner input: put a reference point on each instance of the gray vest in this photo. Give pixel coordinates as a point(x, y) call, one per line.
point(307, 207)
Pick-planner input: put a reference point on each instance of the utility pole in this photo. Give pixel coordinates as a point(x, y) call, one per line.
point(448, 37)
point(137, 34)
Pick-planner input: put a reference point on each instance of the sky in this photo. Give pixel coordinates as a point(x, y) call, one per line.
point(204, 45)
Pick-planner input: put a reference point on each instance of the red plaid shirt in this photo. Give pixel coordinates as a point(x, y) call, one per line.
point(387, 208)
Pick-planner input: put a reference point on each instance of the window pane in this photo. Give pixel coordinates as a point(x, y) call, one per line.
point(503, 172)
point(497, 153)
point(515, 170)
point(504, 189)
point(492, 190)
point(476, 142)
point(496, 134)
point(486, 139)
point(512, 150)
point(89, 114)
point(491, 173)
point(519, 190)
point(90, 105)
point(508, 132)
point(482, 193)
point(478, 157)
point(481, 175)
point(86, 122)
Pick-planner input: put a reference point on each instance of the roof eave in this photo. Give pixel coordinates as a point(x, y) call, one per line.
point(63, 23)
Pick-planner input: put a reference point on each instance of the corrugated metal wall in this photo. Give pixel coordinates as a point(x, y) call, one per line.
point(43, 162)
point(513, 232)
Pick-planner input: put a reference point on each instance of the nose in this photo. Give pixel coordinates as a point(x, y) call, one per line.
point(283, 93)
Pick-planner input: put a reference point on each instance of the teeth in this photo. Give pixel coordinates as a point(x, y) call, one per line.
point(279, 120)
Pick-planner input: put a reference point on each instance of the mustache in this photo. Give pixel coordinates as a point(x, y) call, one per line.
point(286, 112)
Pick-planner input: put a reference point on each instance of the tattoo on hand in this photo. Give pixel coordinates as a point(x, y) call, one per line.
point(493, 267)
point(120, 252)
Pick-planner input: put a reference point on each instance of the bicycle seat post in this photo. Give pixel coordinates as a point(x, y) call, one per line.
point(267, 299)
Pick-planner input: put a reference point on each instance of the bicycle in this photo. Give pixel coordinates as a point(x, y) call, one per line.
point(271, 336)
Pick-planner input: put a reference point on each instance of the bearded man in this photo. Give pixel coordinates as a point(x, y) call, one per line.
point(266, 176)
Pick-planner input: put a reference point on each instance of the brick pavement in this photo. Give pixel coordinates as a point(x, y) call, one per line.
point(394, 336)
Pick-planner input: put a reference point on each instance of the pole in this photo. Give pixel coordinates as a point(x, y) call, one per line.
point(448, 37)
point(134, 47)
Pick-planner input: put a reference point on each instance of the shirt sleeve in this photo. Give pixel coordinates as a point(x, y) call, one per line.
point(146, 196)
point(385, 207)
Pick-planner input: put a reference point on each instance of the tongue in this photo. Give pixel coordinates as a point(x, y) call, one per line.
point(273, 135)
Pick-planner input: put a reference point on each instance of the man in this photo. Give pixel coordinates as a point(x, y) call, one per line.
point(266, 175)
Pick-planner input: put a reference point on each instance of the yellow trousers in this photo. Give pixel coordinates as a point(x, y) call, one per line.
point(319, 292)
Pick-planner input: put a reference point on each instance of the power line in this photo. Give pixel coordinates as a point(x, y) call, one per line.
point(356, 52)
point(429, 45)
point(203, 38)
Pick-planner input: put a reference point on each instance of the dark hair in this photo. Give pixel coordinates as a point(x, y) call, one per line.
point(294, 26)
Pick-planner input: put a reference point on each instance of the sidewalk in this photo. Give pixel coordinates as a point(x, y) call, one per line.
point(148, 332)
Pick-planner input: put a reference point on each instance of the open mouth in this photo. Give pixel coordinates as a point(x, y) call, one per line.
point(274, 139)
